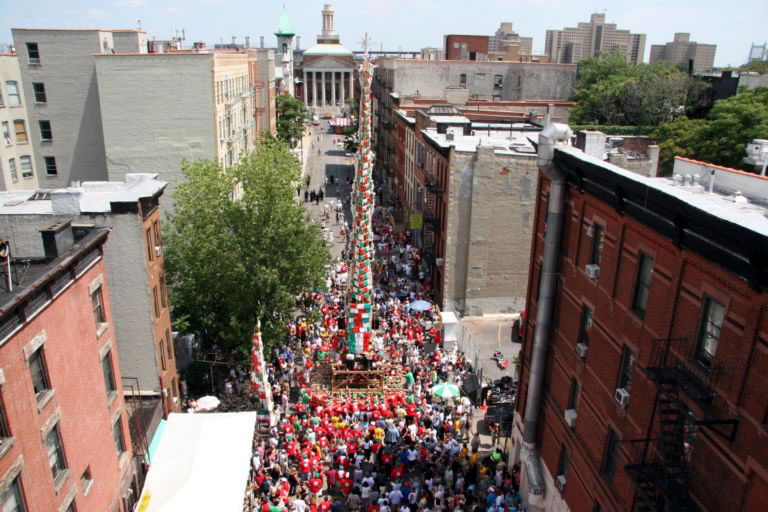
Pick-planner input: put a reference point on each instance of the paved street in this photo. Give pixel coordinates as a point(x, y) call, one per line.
point(331, 161)
point(490, 334)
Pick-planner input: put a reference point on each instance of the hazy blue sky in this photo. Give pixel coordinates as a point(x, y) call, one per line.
point(406, 24)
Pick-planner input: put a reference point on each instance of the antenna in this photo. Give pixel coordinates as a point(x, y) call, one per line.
point(138, 21)
point(366, 42)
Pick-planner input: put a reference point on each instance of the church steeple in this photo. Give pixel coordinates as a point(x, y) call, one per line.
point(284, 52)
point(284, 25)
point(329, 34)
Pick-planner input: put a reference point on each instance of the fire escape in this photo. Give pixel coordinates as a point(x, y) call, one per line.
point(431, 214)
point(661, 478)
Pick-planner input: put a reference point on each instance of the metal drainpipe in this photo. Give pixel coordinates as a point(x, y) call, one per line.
point(545, 305)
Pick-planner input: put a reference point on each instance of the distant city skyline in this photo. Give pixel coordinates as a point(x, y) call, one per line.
point(401, 24)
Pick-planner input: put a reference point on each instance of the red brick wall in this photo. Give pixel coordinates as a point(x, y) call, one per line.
point(679, 282)
point(478, 44)
point(74, 367)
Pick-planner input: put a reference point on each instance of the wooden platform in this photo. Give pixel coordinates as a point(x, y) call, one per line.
point(357, 381)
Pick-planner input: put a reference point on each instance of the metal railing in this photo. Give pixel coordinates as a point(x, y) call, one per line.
point(465, 343)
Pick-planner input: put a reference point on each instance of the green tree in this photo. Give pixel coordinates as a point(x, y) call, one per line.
point(240, 248)
point(758, 66)
point(612, 91)
point(722, 137)
point(291, 116)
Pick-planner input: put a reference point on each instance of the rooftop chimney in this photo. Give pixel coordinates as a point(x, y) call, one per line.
point(261, 41)
point(57, 239)
point(247, 41)
point(298, 42)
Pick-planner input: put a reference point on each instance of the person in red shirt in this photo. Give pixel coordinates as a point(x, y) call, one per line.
point(346, 486)
point(397, 472)
point(305, 466)
point(315, 484)
point(325, 505)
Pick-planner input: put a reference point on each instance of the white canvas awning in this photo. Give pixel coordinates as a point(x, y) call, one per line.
point(201, 463)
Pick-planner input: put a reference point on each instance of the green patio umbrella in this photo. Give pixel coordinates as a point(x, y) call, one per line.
point(445, 390)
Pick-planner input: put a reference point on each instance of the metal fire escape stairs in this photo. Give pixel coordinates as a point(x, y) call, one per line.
point(662, 482)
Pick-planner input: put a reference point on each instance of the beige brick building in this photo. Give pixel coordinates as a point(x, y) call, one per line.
point(18, 168)
point(682, 50)
point(572, 44)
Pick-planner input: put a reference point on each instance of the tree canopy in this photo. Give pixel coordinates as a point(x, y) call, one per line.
point(612, 91)
point(240, 248)
point(291, 116)
point(722, 137)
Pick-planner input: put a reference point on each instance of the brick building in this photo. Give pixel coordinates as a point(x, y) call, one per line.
point(466, 47)
point(644, 363)
point(63, 419)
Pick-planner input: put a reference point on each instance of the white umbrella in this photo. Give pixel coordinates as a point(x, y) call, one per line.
point(207, 403)
point(445, 390)
point(419, 305)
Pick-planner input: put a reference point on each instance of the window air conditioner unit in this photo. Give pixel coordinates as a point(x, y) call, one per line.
point(560, 482)
point(570, 416)
point(622, 397)
point(158, 250)
point(439, 262)
point(592, 271)
point(581, 350)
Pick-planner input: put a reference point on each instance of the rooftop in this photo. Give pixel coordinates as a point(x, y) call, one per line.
point(90, 196)
point(511, 140)
point(32, 280)
point(328, 49)
point(742, 209)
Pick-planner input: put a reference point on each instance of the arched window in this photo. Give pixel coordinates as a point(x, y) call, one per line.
point(285, 48)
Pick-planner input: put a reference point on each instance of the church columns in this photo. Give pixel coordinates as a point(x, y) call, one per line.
point(333, 88)
point(322, 85)
point(314, 88)
point(351, 84)
point(341, 87)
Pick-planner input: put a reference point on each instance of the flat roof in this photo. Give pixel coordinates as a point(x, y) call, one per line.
point(327, 49)
point(39, 271)
point(93, 196)
point(82, 30)
point(505, 142)
point(749, 215)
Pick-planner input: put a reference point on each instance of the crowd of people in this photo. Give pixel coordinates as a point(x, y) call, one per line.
point(394, 449)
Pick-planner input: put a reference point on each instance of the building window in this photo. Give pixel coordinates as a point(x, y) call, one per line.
point(149, 244)
point(46, 134)
point(117, 435)
point(39, 89)
point(97, 304)
point(71, 507)
point(642, 284)
point(155, 302)
point(163, 291)
point(21, 131)
point(86, 481)
point(161, 351)
point(7, 133)
point(50, 166)
point(5, 431)
point(463, 80)
point(626, 369)
point(40, 382)
point(598, 240)
point(498, 81)
point(109, 376)
point(2, 102)
point(33, 53)
point(156, 229)
point(55, 452)
point(563, 461)
point(586, 325)
point(710, 325)
point(12, 498)
point(608, 467)
point(26, 167)
point(14, 98)
point(12, 169)
point(169, 344)
point(573, 395)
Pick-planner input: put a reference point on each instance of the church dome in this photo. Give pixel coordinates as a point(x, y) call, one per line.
point(284, 25)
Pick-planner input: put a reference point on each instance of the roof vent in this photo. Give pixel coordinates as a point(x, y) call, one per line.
point(738, 198)
point(677, 180)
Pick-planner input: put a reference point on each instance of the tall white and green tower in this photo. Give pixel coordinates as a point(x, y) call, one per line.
point(284, 51)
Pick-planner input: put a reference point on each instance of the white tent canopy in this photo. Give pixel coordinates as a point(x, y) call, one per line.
point(202, 463)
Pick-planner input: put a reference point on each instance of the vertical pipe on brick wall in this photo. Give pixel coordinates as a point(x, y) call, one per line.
point(545, 303)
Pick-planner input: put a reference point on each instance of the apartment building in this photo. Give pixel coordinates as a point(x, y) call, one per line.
point(134, 264)
point(63, 420)
point(17, 157)
point(58, 67)
point(261, 75)
point(572, 44)
point(644, 362)
point(454, 179)
point(466, 47)
point(684, 52)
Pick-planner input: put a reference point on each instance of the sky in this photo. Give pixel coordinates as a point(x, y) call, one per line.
point(402, 24)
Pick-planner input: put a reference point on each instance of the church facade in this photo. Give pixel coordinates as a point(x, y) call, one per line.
point(328, 71)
